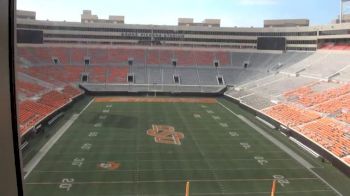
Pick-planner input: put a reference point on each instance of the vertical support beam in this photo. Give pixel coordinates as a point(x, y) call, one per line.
point(341, 12)
point(10, 164)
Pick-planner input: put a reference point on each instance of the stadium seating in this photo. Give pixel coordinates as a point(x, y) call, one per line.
point(55, 74)
point(36, 107)
point(334, 105)
point(223, 57)
point(98, 56)
point(54, 99)
point(184, 57)
point(330, 134)
point(61, 53)
point(165, 57)
point(71, 91)
point(117, 74)
point(29, 89)
point(27, 119)
point(344, 117)
point(204, 57)
point(290, 115)
point(77, 56)
point(32, 113)
point(152, 57)
point(320, 97)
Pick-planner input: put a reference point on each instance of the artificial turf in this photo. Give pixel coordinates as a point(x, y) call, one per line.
point(219, 155)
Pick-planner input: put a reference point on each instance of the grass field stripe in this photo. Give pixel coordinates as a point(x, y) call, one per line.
point(297, 157)
point(28, 168)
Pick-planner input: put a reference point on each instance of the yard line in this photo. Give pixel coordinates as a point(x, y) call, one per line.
point(168, 181)
point(28, 168)
point(283, 147)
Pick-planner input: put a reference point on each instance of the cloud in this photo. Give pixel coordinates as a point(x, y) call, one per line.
point(258, 2)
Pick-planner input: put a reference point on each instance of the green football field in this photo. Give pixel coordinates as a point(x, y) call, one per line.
point(155, 148)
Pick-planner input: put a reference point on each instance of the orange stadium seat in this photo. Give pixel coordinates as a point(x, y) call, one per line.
point(333, 105)
point(185, 57)
point(344, 117)
point(330, 134)
point(204, 57)
point(320, 97)
point(71, 91)
point(223, 57)
point(165, 57)
point(290, 115)
point(152, 57)
point(117, 74)
point(54, 99)
point(29, 89)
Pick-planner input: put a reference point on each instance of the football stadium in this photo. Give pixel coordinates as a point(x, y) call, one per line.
point(107, 108)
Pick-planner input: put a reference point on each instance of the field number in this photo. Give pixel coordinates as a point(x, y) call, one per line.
point(246, 146)
point(261, 160)
point(78, 162)
point(66, 184)
point(93, 134)
point(281, 180)
point(108, 106)
point(234, 134)
point(105, 111)
point(103, 117)
point(98, 125)
point(86, 146)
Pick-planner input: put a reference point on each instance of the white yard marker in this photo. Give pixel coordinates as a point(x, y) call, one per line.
point(102, 117)
point(210, 112)
point(261, 160)
point(281, 180)
point(105, 111)
point(233, 134)
point(98, 125)
point(93, 134)
point(203, 106)
point(66, 184)
point(224, 124)
point(108, 106)
point(197, 115)
point(86, 146)
point(216, 117)
point(246, 146)
point(78, 162)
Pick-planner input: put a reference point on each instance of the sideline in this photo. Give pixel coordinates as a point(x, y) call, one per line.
point(28, 168)
point(283, 147)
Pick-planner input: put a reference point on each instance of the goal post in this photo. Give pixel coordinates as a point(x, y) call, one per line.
point(273, 189)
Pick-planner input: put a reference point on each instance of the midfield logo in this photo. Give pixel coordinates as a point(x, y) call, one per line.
point(165, 134)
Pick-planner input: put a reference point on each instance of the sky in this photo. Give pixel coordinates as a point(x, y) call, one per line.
point(241, 13)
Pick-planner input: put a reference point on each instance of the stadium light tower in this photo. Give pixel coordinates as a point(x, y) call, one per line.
point(344, 5)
